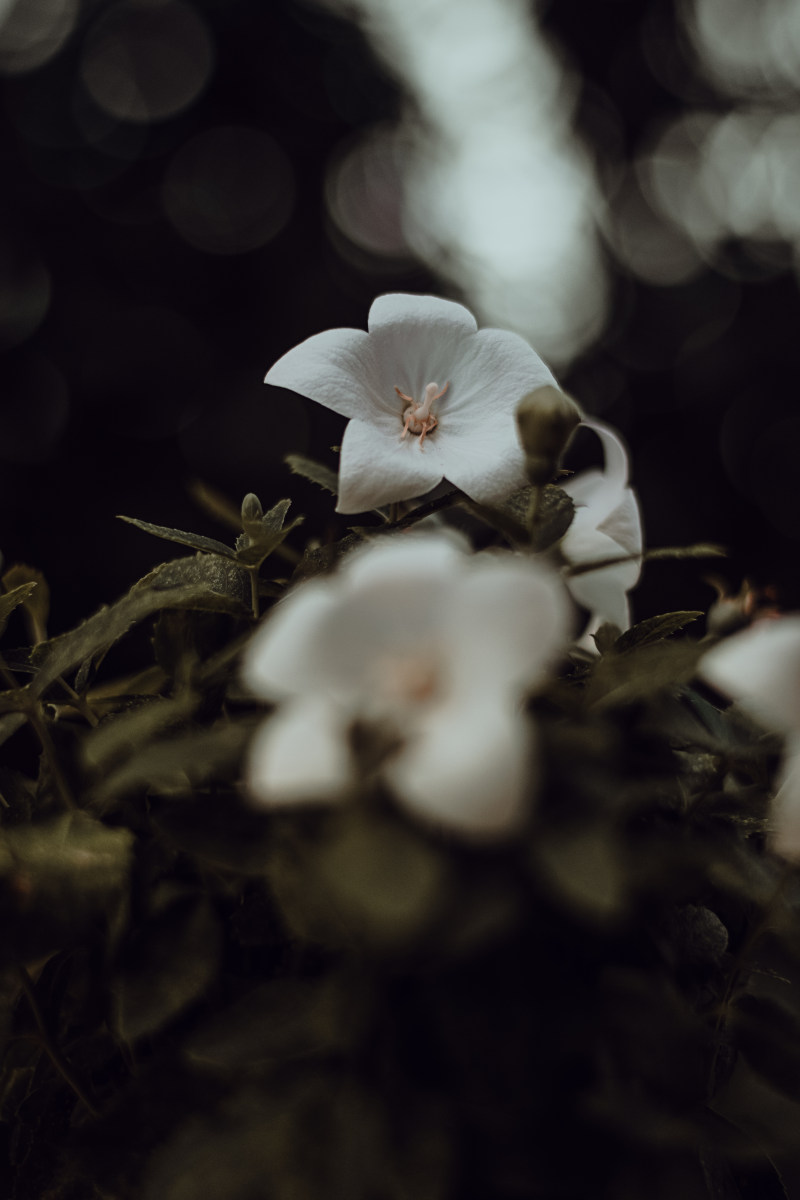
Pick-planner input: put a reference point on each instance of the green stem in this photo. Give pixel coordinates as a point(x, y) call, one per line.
point(427, 510)
point(254, 600)
point(54, 1054)
point(34, 713)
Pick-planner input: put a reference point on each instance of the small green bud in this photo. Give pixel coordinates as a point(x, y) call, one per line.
point(252, 512)
point(546, 420)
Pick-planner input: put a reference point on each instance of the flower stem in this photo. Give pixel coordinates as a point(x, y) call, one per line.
point(33, 711)
point(51, 1049)
point(254, 600)
point(427, 510)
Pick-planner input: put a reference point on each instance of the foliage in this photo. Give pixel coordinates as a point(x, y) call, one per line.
point(201, 997)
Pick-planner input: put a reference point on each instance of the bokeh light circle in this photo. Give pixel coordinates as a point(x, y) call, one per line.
point(147, 60)
point(33, 31)
point(34, 408)
point(25, 290)
point(364, 192)
point(229, 190)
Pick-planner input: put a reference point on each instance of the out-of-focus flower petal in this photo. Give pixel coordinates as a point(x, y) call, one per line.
point(282, 657)
point(785, 838)
point(512, 619)
point(469, 770)
point(760, 668)
point(300, 755)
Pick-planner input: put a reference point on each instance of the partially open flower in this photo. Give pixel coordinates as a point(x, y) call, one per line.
point(607, 528)
point(760, 669)
point(429, 397)
point(419, 639)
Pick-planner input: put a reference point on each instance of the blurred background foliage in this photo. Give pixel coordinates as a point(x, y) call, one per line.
point(190, 187)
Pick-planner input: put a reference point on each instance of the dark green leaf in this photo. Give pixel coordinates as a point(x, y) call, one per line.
point(700, 550)
point(58, 878)
point(202, 582)
point(196, 541)
point(253, 548)
point(655, 629)
point(118, 737)
point(316, 472)
point(37, 604)
point(279, 1021)
point(641, 673)
point(169, 964)
point(176, 766)
point(11, 600)
point(319, 561)
point(768, 1034)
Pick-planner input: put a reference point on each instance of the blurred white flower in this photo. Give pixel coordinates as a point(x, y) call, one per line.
point(429, 396)
point(427, 643)
point(760, 669)
point(607, 525)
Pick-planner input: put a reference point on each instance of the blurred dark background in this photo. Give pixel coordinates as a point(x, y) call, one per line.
point(188, 191)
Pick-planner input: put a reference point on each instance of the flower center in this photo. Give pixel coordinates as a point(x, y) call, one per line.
point(418, 418)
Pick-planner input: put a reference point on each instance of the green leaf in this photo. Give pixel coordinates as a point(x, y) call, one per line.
point(316, 472)
point(37, 604)
point(279, 1021)
point(222, 829)
point(655, 629)
point(168, 965)
point(11, 600)
point(59, 879)
point(120, 736)
point(202, 582)
point(555, 513)
point(253, 548)
point(640, 673)
point(177, 766)
point(768, 1035)
point(320, 560)
point(195, 541)
point(370, 880)
point(699, 550)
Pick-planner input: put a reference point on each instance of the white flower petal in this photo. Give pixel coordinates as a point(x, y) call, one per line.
point(413, 315)
point(469, 770)
point(336, 368)
point(785, 838)
point(299, 755)
point(601, 491)
point(281, 659)
point(624, 526)
point(605, 594)
point(760, 668)
point(376, 467)
point(496, 370)
point(509, 620)
point(397, 559)
point(486, 466)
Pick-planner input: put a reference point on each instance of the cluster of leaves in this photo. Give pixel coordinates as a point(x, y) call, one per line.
point(197, 998)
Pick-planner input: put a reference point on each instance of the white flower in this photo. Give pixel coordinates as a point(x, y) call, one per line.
point(433, 644)
point(607, 525)
point(428, 397)
point(760, 669)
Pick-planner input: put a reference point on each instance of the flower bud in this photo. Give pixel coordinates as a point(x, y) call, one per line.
point(546, 420)
point(252, 512)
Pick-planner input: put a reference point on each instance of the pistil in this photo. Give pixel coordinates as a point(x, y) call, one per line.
point(418, 418)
